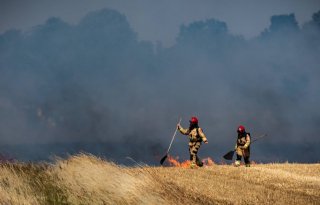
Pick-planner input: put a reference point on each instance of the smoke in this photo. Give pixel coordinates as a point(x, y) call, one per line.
point(94, 86)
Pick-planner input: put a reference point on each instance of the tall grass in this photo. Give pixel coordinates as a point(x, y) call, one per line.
point(86, 179)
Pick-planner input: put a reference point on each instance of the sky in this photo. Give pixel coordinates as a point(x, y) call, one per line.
point(159, 20)
point(113, 77)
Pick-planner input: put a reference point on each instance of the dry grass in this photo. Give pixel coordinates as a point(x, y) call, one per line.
point(85, 179)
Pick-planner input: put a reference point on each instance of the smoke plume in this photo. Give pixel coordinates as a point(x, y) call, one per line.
point(94, 86)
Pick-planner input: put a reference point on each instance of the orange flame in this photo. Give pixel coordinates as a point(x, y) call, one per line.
point(174, 161)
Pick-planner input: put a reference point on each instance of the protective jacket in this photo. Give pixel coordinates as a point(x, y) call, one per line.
point(195, 135)
point(243, 144)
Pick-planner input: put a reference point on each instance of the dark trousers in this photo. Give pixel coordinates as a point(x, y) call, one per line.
point(246, 159)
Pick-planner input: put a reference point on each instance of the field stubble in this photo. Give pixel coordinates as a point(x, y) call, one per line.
point(86, 179)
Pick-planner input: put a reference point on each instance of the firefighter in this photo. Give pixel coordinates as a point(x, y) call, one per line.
point(196, 137)
point(243, 146)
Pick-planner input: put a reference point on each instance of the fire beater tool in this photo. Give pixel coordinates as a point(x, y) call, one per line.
point(165, 156)
point(230, 154)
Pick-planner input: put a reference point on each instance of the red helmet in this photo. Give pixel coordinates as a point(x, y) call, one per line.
point(241, 129)
point(194, 120)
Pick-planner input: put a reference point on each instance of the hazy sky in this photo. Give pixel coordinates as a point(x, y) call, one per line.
point(159, 20)
point(85, 77)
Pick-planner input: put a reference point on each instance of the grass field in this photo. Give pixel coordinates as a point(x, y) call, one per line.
point(86, 179)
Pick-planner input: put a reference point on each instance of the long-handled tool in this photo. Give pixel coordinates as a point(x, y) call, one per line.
point(165, 156)
point(230, 154)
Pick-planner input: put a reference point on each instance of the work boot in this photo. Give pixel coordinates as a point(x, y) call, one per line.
point(193, 165)
point(237, 163)
point(199, 163)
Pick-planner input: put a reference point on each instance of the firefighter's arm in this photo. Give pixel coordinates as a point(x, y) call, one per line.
point(246, 145)
point(202, 135)
point(182, 130)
